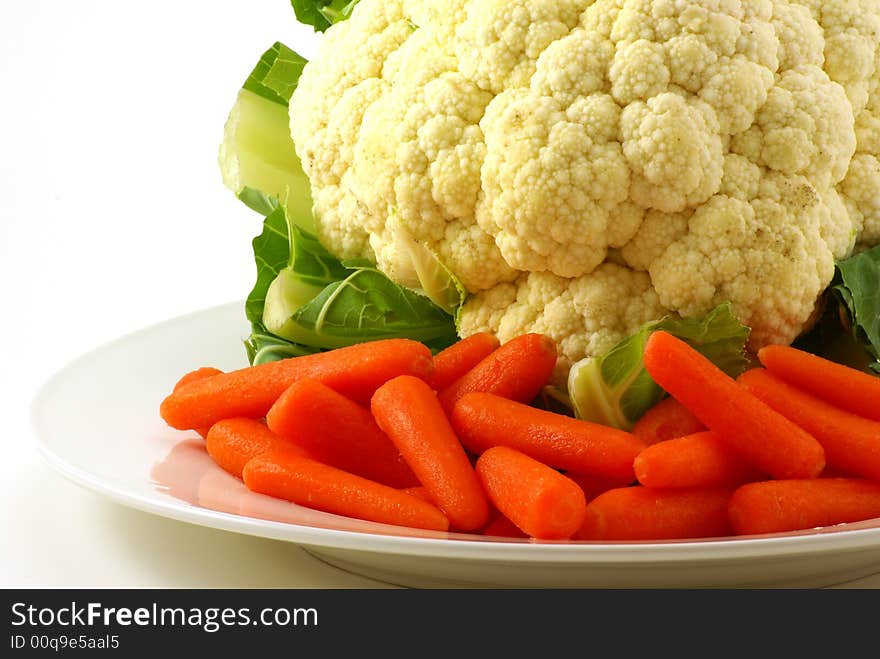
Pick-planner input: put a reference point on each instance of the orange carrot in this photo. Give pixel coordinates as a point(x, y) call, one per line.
point(502, 527)
point(337, 431)
point(761, 435)
point(851, 442)
point(790, 505)
point(484, 420)
point(642, 513)
point(666, 420)
point(459, 358)
point(834, 472)
point(197, 374)
point(537, 499)
point(315, 485)
point(848, 388)
point(354, 371)
point(592, 486)
point(193, 376)
point(701, 459)
point(407, 409)
point(232, 442)
point(418, 491)
point(517, 370)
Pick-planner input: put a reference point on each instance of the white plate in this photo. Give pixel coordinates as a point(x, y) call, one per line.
point(97, 422)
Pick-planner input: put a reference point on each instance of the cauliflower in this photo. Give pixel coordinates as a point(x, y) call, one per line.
point(585, 167)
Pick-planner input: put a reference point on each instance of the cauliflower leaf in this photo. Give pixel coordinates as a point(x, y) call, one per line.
point(272, 254)
point(846, 328)
point(858, 287)
point(321, 14)
point(257, 157)
point(306, 300)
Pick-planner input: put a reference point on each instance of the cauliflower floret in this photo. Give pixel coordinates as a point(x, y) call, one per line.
point(801, 41)
point(551, 177)
point(500, 41)
point(657, 231)
point(851, 29)
point(674, 149)
point(352, 83)
point(765, 256)
point(585, 315)
point(805, 127)
point(861, 189)
point(585, 166)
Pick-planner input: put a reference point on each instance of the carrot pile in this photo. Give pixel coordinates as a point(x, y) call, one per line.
point(384, 431)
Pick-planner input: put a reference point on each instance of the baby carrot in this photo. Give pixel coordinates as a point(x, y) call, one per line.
point(407, 409)
point(193, 376)
point(484, 420)
point(834, 472)
point(354, 371)
point(764, 437)
point(502, 527)
point(517, 370)
point(232, 442)
point(592, 486)
point(848, 388)
point(315, 485)
point(536, 498)
point(701, 459)
point(418, 491)
point(337, 431)
point(643, 513)
point(790, 505)
point(456, 360)
point(851, 442)
point(666, 420)
point(197, 374)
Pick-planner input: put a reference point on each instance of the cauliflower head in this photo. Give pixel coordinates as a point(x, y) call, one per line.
point(585, 167)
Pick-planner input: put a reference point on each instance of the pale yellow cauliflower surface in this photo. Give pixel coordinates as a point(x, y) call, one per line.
point(585, 167)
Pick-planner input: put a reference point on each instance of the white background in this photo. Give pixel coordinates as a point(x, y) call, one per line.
point(113, 217)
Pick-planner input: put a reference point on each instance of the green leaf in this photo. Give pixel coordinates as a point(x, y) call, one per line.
point(272, 254)
point(276, 75)
point(845, 329)
point(306, 268)
point(426, 271)
point(615, 389)
point(311, 262)
point(262, 347)
point(321, 14)
point(857, 285)
point(306, 300)
point(257, 157)
point(258, 201)
point(366, 305)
